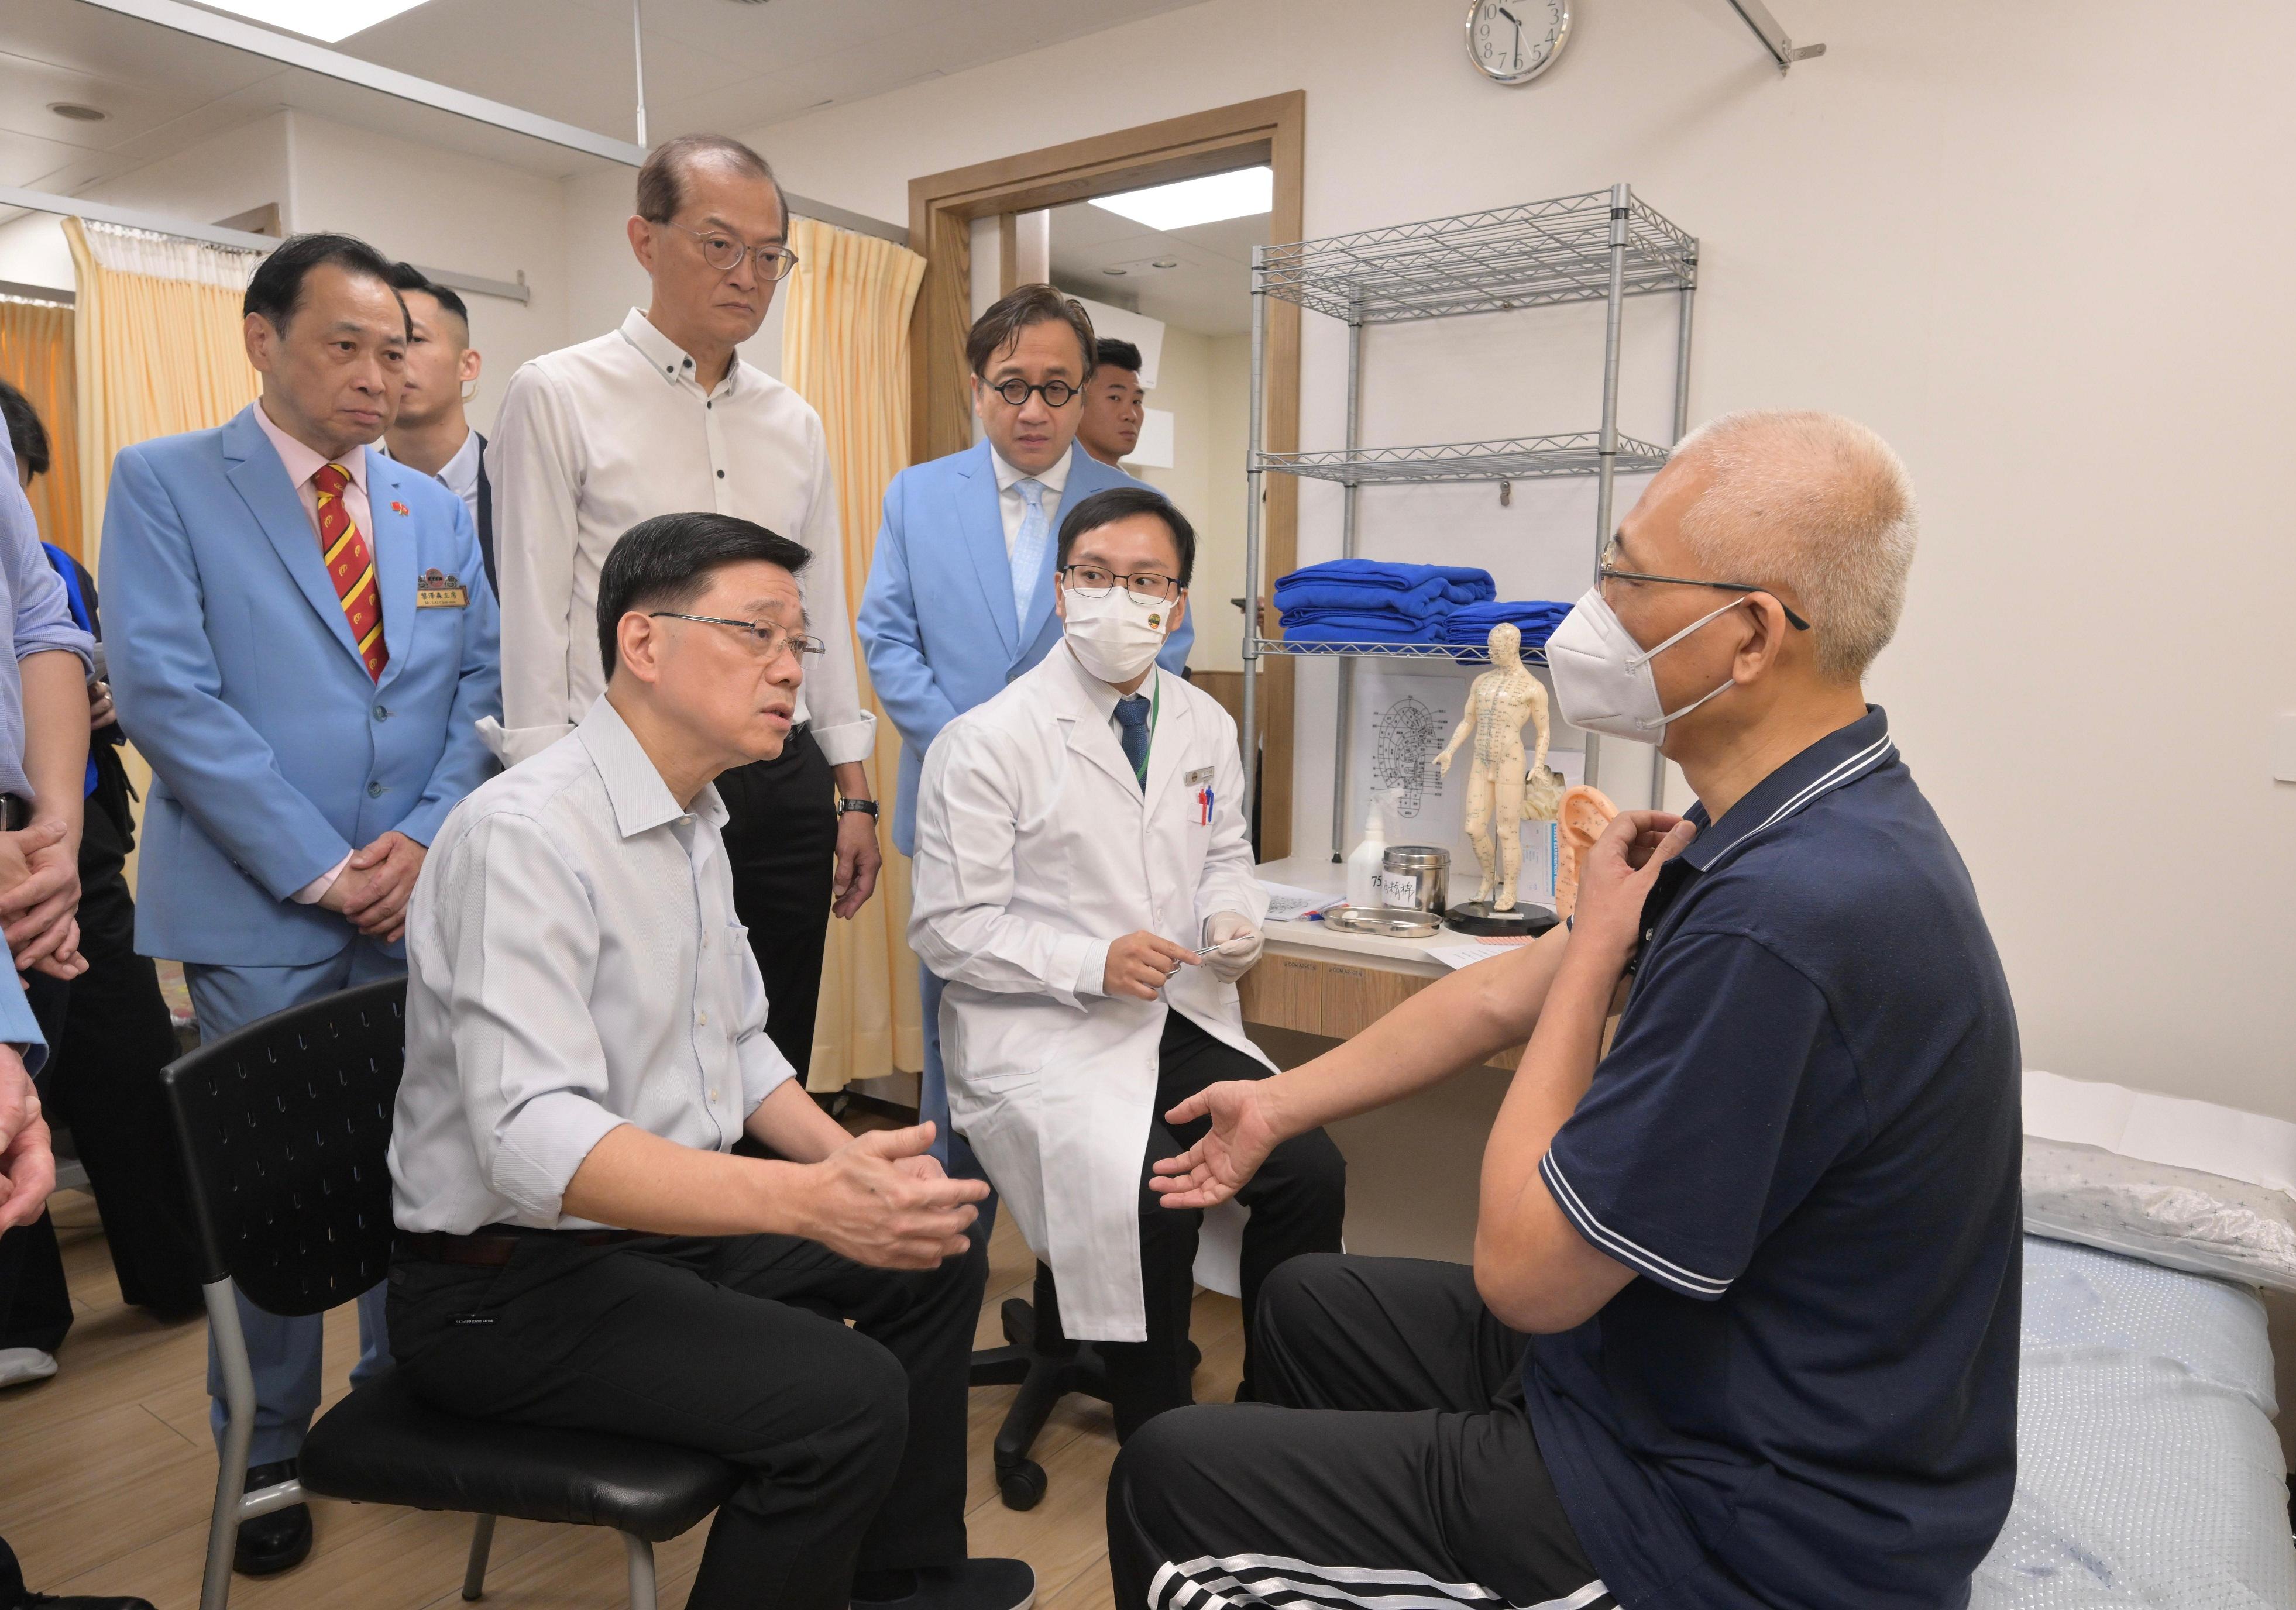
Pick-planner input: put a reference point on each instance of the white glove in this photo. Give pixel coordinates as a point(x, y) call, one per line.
point(1239, 945)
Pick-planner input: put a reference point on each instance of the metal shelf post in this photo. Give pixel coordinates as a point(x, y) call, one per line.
point(1349, 489)
point(1612, 321)
point(1252, 482)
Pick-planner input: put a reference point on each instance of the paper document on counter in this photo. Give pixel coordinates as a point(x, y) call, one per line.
point(1457, 956)
point(1288, 902)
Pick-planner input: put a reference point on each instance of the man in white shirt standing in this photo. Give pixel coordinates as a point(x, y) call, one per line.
point(662, 417)
point(586, 1040)
point(430, 430)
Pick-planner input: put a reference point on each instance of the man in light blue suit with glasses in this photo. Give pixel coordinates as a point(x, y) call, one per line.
point(303, 641)
point(960, 594)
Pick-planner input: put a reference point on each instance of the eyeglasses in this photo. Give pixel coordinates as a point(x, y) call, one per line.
point(1144, 587)
point(725, 254)
point(1055, 393)
point(768, 639)
point(1605, 574)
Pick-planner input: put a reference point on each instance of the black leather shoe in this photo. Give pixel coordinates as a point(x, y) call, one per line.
point(278, 1541)
point(49, 1601)
point(984, 1584)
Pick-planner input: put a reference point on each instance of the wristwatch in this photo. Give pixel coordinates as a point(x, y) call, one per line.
point(867, 807)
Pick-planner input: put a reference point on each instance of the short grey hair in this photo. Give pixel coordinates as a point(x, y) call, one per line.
point(662, 180)
point(1816, 506)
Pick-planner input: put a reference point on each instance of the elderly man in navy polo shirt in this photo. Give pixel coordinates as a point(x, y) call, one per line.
point(1740, 1329)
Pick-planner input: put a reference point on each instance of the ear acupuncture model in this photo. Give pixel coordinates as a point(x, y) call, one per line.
point(1501, 702)
point(1581, 818)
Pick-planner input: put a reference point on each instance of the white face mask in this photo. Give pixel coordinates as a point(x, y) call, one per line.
point(1116, 637)
point(1603, 677)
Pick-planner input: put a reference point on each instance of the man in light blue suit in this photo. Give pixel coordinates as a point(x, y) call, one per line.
point(960, 594)
point(303, 641)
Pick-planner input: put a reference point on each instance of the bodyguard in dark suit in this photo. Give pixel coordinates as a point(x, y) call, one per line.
point(431, 432)
point(303, 643)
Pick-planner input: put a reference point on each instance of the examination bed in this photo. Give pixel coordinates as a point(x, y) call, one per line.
point(2149, 1473)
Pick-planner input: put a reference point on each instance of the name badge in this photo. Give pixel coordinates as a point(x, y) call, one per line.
point(1202, 774)
point(437, 590)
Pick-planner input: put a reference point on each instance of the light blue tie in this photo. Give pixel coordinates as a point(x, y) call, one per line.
point(1027, 550)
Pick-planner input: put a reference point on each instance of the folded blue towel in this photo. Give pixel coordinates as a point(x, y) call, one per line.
point(1362, 626)
point(1420, 591)
point(1535, 619)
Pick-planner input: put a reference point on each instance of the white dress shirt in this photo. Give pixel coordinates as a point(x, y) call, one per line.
point(461, 475)
point(302, 464)
point(593, 439)
point(573, 964)
point(1014, 508)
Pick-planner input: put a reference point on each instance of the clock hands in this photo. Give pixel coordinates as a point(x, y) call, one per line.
point(1511, 17)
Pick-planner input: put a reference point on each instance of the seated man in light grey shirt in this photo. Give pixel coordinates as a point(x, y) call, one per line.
point(586, 1040)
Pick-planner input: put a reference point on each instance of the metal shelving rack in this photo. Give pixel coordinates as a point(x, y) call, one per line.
point(1603, 246)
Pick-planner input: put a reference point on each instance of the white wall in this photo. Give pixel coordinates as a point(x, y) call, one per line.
point(1959, 226)
point(444, 211)
point(1202, 380)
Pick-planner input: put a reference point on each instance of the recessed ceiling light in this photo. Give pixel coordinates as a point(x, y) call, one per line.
point(1205, 200)
point(76, 112)
point(325, 21)
point(1165, 263)
point(1116, 273)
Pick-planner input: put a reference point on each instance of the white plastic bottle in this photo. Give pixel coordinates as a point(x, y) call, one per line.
point(1364, 863)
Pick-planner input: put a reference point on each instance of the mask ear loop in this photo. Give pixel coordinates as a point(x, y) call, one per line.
point(1639, 661)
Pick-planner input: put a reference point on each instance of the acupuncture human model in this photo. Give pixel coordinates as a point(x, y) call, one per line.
point(1501, 702)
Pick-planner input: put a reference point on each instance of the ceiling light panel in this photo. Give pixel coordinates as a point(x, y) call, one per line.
point(1205, 200)
point(325, 21)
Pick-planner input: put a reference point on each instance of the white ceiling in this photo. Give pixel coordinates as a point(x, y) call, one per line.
point(710, 64)
point(1208, 290)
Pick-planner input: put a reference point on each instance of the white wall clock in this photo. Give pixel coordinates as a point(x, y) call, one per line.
point(1513, 41)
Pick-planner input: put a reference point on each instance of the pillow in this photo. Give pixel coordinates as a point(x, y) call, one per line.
point(2185, 1184)
point(2180, 1218)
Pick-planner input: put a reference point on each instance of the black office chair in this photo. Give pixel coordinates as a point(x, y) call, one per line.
point(1047, 1366)
point(285, 1128)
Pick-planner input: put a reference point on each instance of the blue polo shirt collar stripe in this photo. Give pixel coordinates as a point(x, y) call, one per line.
point(1688, 1282)
point(1833, 762)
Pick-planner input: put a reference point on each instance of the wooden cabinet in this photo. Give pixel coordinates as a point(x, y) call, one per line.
point(1285, 992)
point(1337, 1000)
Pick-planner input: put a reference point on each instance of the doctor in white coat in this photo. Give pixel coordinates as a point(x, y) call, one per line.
point(1084, 883)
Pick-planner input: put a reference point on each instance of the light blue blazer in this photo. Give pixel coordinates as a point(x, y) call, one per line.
point(273, 753)
point(936, 619)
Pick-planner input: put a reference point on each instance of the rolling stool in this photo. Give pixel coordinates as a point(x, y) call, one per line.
point(1047, 1366)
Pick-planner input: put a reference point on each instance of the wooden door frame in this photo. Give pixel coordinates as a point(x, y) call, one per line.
point(942, 208)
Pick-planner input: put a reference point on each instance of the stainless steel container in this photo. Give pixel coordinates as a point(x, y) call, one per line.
point(1414, 877)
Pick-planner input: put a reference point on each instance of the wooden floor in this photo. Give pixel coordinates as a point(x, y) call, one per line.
point(107, 1473)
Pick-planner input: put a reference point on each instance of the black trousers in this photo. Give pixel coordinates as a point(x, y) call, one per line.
point(854, 1437)
point(1401, 1447)
point(106, 1086)
point(1299, 1205)
point(780, 840)
point(36, 1307)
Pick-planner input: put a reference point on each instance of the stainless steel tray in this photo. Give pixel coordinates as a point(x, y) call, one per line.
point(1387, 922)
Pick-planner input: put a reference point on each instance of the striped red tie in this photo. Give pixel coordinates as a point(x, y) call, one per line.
point(350, 566)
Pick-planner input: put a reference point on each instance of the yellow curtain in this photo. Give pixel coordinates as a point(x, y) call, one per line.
point(36, 357)
point(159, 348)
point(845, 349)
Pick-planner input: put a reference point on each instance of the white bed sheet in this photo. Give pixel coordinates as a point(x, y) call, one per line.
point(2149, 1475)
